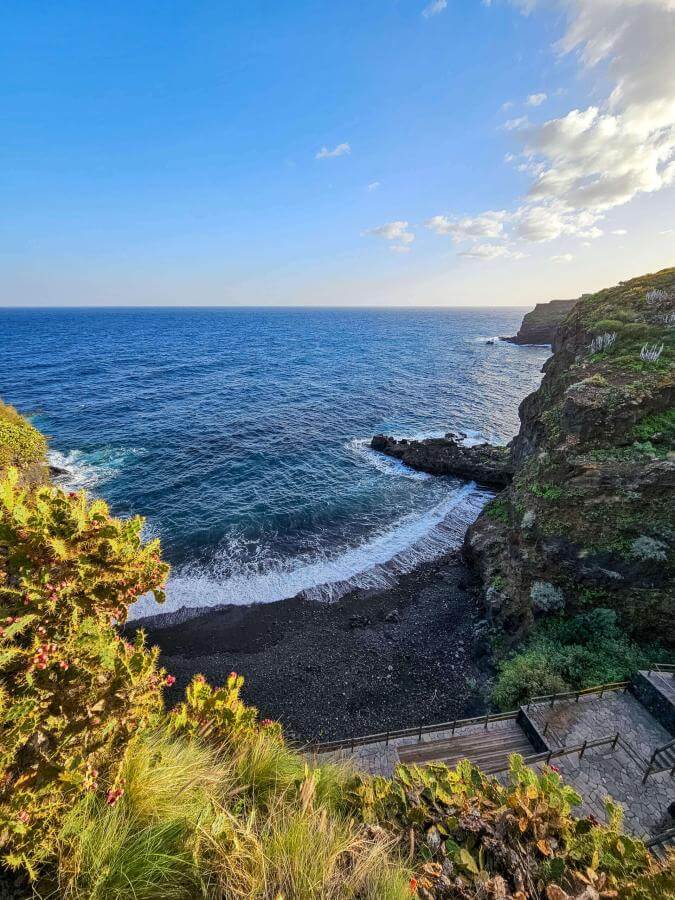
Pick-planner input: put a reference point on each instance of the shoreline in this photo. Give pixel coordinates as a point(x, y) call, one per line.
point(412, 653)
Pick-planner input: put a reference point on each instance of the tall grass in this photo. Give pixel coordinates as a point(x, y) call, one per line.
point(249, 821)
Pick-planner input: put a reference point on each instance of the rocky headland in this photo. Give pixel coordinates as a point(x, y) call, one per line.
point(485, 463)
point(588, 517)
point(539, 326)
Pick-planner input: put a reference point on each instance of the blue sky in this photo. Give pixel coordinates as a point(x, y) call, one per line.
point(167, 153)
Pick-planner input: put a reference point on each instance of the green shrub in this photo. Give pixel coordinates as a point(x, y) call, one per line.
point(21, 445)
point(570, 654)
point(659, 423)
point(604, 326)
point(72, 691)
point(637, 331)
point(528, 674)
point(498, 509)
point(546, 491)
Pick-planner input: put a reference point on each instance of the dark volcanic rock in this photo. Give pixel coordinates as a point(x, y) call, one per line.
point(57, 471)
point(305, 664)
point(485, 463)
point(539, 326)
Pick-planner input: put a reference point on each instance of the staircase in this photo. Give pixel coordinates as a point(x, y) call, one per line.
point(490, 750)
point(663, 845)
point(663, 758)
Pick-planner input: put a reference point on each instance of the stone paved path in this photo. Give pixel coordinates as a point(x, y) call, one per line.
point(600, 773)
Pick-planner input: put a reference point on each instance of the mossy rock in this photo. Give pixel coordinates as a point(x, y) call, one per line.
point(21, 445)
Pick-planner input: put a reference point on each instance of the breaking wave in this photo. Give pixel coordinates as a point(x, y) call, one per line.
point(318, 574)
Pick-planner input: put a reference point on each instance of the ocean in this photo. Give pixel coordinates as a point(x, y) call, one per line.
point(242, 434)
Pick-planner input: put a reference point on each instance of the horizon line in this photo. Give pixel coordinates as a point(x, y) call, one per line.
point(265, 307)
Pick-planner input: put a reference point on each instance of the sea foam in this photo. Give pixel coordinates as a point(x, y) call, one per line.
point(324, 576)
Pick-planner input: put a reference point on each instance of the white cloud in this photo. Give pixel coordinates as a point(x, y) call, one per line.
point(562, 258)
point(491, 251)
point(489, 224)
point(619, 231)
point(595, 158)
point(516, 124)
point(506, 106)
point(434, 8)
point(603, 156)
point(374, 185)
point(546, 222)
point(340, 150)
point(396, 233)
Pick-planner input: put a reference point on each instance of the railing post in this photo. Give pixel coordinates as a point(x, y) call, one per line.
point(548, 758)
point(487, 719)
point(647, 773)
point(386, 740)
point(352, 743)
point(583, 749)
point(552, 700)
point(419, 737)
point(615, 741)
point(545, 729)
point(578, 695)
point(453, 727)
point(602, 691)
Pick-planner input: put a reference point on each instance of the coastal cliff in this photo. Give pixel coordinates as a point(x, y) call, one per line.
point(539, 325)
point(588, 519)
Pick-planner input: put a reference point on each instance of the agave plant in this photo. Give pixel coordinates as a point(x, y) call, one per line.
point(651, 352)
point(603, 341)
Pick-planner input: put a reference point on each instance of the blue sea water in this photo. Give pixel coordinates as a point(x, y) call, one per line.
point(241, 434)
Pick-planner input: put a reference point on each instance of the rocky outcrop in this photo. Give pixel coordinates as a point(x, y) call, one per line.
point(539, 325)
point(588, 518)
point(485, 463)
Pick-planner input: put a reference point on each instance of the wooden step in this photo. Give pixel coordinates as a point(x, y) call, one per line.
point(488, 749)
point(460, 749)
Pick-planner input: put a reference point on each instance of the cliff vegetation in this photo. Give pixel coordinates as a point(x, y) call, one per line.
point(587, 523)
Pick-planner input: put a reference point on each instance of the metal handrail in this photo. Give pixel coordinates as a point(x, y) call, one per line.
point(653, 766)
point(392, 734)
point(386, 736)
point(661, 667)
point(547, 755)
point(661, 838)
point(568, 695)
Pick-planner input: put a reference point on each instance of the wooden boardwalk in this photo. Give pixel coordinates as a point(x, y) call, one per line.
point(487, 749)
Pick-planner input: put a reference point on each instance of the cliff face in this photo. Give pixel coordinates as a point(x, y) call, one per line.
point(539, 325)
point(589, 519)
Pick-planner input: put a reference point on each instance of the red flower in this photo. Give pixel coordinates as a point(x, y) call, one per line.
point(233, 674)
point(554, 769)
point(267, 722)
point(413, 887)
point(112, 797)
point(24, 817)
point(169, 680)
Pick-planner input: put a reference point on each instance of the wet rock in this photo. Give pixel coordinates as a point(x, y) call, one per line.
point(485, 463)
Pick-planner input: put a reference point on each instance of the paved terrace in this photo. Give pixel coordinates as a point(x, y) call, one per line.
point(615, 769)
